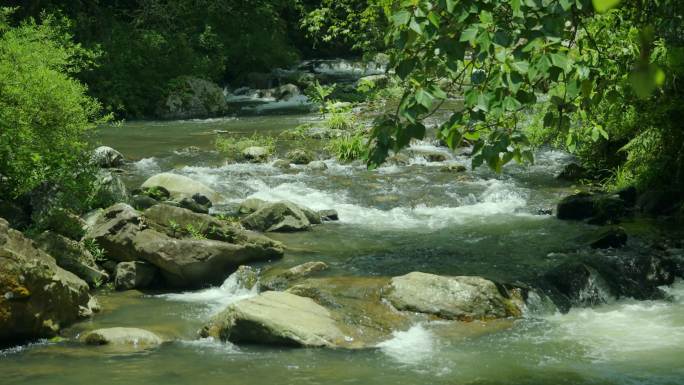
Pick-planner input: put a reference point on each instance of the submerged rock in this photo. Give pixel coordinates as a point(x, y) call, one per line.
point(281, 217)
point(317, 165)
point(180, 186)
point(276, 318)
point(282, 164)
point(329, 215)
point(37, 298)
point(133, 337)
point(107, 157)
point(281, 280)
point(461, 298)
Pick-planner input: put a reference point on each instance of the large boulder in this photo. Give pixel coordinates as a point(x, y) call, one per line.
point(281, 217)
point(461, 298)
point(190, 97)
point(175, 240)
point(121, 337)
point(276, 318)
point(196, 262)
point(596, 279)
point(64, 222)
point(38, 297)
point(180, 186)
point(597, 208)
point(251, 205)
point(72, 256)
point(107, 157)
point(114, 230)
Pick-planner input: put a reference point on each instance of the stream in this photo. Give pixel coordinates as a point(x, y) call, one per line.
point(393, 220)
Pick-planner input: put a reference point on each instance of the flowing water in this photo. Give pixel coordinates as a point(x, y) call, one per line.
point(393, 220)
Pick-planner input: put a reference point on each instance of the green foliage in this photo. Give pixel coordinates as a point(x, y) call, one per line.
point(341, 121)
point(358, 24)
point(502, 56)
point(45, 113)
point(234, 145)
point(195, 232)
point(95, 250)
point(349, 147)
point(319, 94)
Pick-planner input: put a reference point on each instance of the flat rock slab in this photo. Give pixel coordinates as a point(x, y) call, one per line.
point(276, 318)
point(462, 298)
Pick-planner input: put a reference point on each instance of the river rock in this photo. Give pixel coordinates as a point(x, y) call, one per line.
point(190, 204)
point(572, 173)
point(317, 165)
point(185, 260)
point(659, 202)
point(282, 164)
point(596, 279)
point(38, 297)
point(300, 157)
point(613, 237)
point(281, 280)
point(15, 214)
point(107, 157)
point(190, 97)
point(114, 230)
point(276, 318)
point(137, 338)
point(109, 189)
point(72, 256)
point(329, 215)
point(180, 186)
point(281, 217)
point(143, 202)
point(134, 275)
point(287, 91)
point(251, 205)
point(256, 154)
point(65, 223)
point(455, 168)
point(597, 208)
point(462, 298)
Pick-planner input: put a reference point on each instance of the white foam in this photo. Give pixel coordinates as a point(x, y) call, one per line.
point(411, 346)
point(497, 199)
point(217, 298)
point(147, 166)
point(627, 330)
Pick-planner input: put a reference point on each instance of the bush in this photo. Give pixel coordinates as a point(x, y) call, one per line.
point(341, 121)
point(45, 113)
point(234, 145)
point(349, 147)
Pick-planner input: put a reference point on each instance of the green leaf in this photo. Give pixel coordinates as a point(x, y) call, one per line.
point(405, 67)
point(561, 61)
point(424, 98)
point(602, 6)
point(469, 34)
point(401, 18)
point(451, 5)
point(521, 67)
